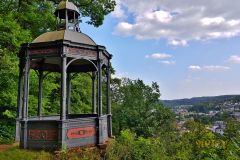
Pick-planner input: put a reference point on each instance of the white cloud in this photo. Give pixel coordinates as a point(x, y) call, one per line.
point(160, 16)
point(124, 28)
point(178, 42)
point(179, 21)
point(168, 62)
point(158, 56)
point(194, 68)
point(235, 59)
point(233, 22)
point(212, 21)
point(213, 68)
point(210, 68)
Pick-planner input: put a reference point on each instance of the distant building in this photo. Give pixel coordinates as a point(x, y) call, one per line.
point(236, 115)
point(218, 127)
point(219, 130)
point(237, 107)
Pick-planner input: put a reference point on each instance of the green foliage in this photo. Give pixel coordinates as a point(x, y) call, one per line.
point(12, 34)
point(196, 144)
point(206, 145)
point(16, 27)
point(136, 106)
point(8, 84)
point(130, 147)
point(6, 133)
point(81, 98)
point(36, 16)
point(232, 128)
point(204, 107)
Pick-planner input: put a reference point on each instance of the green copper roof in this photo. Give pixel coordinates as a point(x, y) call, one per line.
point(65, 35)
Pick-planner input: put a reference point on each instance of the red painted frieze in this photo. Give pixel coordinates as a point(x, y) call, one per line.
point(44, 51)
point(39, 134)
point(82, 52)
point(75, 133)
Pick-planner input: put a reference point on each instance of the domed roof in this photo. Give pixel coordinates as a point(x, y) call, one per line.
point(65, 35)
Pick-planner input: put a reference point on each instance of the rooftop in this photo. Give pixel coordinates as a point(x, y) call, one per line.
point(65, 35)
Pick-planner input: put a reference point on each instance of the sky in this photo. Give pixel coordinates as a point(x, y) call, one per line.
point(189, 47)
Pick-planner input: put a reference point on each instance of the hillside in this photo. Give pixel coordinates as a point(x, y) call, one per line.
point(197, 100)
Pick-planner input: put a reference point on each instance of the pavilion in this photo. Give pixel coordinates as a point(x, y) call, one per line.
point(66, 51)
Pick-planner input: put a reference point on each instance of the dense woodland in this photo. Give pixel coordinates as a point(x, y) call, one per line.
point(201, 100)
point(143, 127)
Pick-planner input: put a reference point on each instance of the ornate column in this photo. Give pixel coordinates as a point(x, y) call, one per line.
point(23, 136)
point(100, 118)
point(108, 111)
point(99, 88)
point(68, 93)
point(40, 81)
point(63, 88)
point(19, 101)
point(94, 107)
point(26, 89)
point(62, 122)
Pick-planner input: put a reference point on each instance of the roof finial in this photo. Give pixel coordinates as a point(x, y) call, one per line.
point(68, 15)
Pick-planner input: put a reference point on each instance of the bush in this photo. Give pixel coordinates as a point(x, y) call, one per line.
point(7, 132)
point(130, 147)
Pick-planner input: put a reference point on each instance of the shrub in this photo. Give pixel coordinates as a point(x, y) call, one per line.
point(6, 133)
point(130, 147)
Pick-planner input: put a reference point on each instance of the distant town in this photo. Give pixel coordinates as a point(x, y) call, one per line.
point(211, 111)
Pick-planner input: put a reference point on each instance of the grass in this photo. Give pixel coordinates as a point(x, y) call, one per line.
point(72, 154)
point(20, 154)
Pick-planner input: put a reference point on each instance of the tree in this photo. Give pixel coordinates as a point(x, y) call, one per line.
point(94, 9)
point(136, 106)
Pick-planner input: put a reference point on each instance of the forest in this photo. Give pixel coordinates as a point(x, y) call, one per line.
point(143, 127)
point(202, 100)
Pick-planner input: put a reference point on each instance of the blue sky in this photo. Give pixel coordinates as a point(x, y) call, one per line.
point(191, 48)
